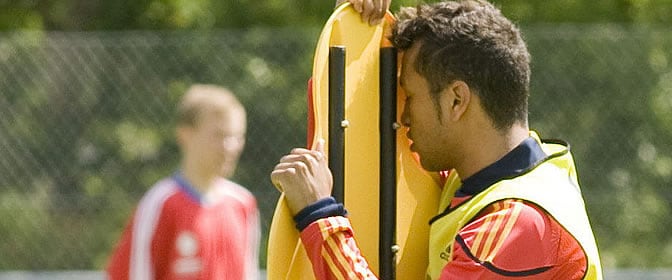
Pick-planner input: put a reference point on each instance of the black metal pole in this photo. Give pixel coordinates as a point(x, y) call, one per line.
point(388, 192)
point(337, 122)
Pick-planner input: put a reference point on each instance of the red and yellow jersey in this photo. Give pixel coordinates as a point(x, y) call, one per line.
point(177, 234)
point(514, 239)
point(535, 223)
point(508, 237)
point(333, 251)
point(509, 240)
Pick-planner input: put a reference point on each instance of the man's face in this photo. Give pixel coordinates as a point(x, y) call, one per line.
point(217, 141)
point(421, 116)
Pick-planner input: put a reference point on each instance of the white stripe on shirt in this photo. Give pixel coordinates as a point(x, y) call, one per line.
point(144, 225)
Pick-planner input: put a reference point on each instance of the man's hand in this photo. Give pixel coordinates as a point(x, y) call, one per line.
point(304, 177)
point(372, 11)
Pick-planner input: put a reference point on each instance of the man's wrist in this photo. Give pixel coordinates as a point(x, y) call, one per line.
point(323, 208)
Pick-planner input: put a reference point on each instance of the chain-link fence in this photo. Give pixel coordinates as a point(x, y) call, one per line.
point(86, 126)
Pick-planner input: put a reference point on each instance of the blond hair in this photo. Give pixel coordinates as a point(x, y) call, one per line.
point(201, 98)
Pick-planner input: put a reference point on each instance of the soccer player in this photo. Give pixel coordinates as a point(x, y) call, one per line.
point(511, 206)
point(196, 224)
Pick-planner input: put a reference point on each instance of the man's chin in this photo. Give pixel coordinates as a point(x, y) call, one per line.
point(429, 166)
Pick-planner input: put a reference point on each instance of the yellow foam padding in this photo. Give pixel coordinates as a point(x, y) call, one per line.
point(417, 191)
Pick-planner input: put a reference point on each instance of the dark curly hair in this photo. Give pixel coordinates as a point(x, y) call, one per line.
point(470, 41)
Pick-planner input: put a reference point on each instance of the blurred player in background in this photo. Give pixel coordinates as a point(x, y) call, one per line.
point(196, 224)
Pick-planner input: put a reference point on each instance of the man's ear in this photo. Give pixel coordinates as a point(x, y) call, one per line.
point(455, 100)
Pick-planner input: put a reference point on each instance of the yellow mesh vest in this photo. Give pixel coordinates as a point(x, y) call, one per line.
point(551, 185)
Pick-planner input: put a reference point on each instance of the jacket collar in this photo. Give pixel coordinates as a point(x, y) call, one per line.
point(521, 159)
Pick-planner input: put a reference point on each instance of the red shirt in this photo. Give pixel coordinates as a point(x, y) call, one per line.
point(514, 239)
point(510, 239)
point(176, 234)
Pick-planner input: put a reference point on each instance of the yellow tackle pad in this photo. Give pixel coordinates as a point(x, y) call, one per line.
point(417, 191)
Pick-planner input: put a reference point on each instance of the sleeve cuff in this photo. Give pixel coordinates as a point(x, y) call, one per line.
point(323, 208)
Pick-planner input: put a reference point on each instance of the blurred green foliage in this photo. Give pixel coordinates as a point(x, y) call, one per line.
point(88, 127)
point(87, 15)
point(602, 79)
point(599, 87)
